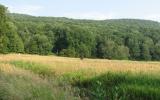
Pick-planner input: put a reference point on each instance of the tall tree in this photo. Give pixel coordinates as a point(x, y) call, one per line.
point(3, 20)
point(132, 42)
point(38, 44)
point(156, 55)
point(121, 52)
point(145, 52)
point(105, 49)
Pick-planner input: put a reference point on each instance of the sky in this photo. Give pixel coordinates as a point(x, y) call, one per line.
point(87, 9)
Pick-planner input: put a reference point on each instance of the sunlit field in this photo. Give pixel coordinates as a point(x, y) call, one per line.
point(30, 77)
point(63, 65)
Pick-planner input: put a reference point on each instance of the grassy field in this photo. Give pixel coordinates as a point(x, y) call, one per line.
point(33, 77)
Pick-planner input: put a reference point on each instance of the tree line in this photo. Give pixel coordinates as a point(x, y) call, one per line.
point(131, 39)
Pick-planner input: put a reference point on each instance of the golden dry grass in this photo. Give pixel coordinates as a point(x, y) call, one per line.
point(11, 70)
point(64, 64)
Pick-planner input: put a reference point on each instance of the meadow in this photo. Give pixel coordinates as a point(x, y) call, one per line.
point(34, 77)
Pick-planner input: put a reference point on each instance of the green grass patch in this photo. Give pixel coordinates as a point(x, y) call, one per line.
point(42, 70)
point(121, 86)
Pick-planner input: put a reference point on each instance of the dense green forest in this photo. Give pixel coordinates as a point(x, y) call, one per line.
point(131, 39)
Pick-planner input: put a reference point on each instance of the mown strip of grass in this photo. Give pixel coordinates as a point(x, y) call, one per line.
point(121, 86)
point(42, 70)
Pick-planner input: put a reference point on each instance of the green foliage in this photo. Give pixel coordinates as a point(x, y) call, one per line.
point(145, 52)
point(38, 44)
point(3, 18)
point(157, 51)
point(121, 86)
point(9, 39)
point(15, 44)
point(4, 41)
point(106, 48)
point(112, 39)
point(134, 47)
point(70, 52)
point(121, 53)
point(62, 38)
point(83, 51)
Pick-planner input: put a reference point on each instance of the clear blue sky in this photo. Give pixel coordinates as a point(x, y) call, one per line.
point(87, 9)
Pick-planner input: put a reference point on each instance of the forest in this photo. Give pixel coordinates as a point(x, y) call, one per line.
point(122, 39)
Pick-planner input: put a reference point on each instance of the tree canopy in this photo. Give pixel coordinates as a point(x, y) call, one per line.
point(131, 39)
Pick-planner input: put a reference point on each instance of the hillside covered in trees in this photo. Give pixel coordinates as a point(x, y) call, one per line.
point(108, 39)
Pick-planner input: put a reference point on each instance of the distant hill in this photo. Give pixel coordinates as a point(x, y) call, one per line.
point(125, 22)
point(132, 39)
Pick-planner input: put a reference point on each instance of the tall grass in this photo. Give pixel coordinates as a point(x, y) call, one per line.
point(24, 87)
point(121, 86)
point(17, 84)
